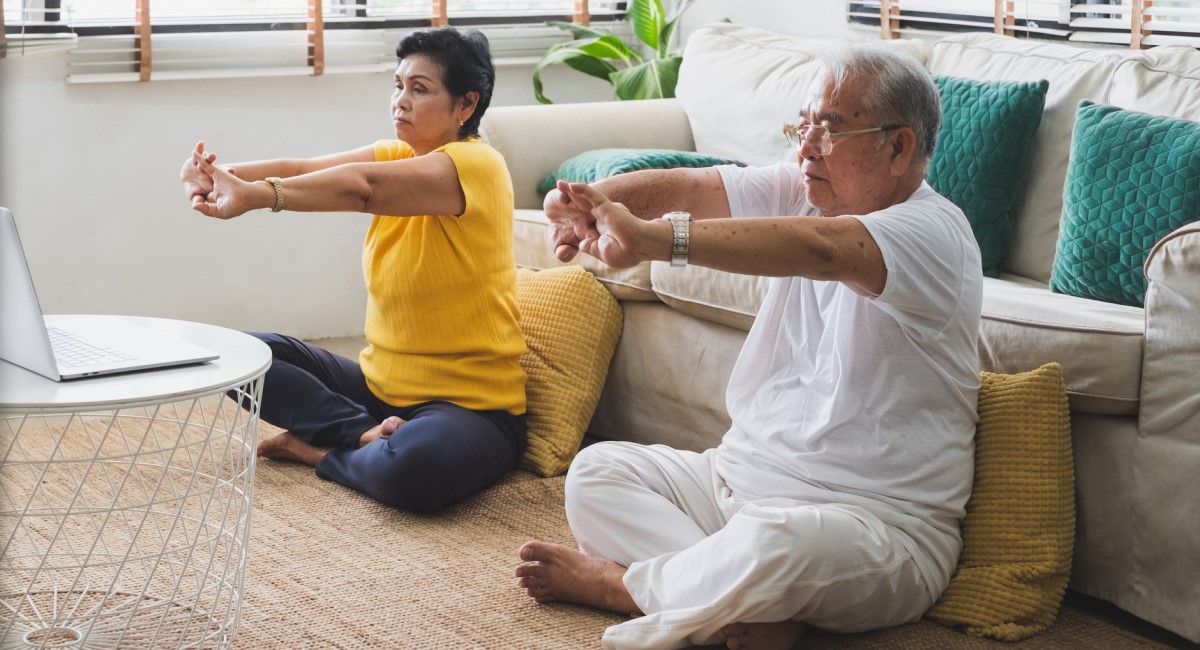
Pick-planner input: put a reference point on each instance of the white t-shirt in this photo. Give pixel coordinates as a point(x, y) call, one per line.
point(839, 397)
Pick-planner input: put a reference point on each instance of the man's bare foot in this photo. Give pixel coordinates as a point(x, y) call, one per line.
point(286, 446)
point(554, 572)
point(382, 430)
point(756, 636)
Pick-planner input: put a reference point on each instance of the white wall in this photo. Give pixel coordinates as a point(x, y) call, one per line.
point(91, 173)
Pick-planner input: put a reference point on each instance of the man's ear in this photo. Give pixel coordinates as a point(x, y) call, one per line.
point(903, 149)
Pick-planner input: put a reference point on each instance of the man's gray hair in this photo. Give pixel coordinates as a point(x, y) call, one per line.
point(901, 91)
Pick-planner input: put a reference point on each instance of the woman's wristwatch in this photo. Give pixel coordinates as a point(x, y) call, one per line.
point(276, 183)
point(681, 239)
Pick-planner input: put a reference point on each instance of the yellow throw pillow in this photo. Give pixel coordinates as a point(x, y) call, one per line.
point(1019, 530)
point(571, 324)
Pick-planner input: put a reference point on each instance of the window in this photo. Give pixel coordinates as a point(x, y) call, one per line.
point(124, 40)
point(1132, 23)
point(1029, 17)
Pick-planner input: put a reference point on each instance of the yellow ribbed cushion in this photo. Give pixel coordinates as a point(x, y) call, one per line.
point(1019, 530)
point(571, 324)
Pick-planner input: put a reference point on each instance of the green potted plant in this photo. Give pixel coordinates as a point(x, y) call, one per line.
point(632, 74)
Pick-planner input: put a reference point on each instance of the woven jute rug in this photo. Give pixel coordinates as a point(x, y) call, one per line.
point(329, 568)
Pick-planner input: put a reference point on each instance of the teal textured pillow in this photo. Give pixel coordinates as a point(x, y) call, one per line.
point(1132, 179)
point(601, 163)
point(983, 149)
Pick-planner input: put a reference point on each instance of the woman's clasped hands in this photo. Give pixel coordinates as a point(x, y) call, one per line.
point(214, 191)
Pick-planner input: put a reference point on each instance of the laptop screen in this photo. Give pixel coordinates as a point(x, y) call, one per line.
point(23, 339)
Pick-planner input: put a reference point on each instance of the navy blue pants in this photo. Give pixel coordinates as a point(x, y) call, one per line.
point(441, 454)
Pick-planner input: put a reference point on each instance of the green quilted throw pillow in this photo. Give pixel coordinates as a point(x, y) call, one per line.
point(1133, 178)
point(983, 150)
point(601, 163)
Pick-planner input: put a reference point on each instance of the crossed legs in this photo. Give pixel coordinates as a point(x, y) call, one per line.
point(702, 566)
point(421, 457)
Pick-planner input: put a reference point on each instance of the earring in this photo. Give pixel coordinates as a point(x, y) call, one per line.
point(461, 122)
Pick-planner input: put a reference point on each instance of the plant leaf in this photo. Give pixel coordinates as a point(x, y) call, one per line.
point(664, 38)
point(647, 18)
point(577, 31)
point(590, 65)
point(649, 80)
point(606, 47)
point(575, 58)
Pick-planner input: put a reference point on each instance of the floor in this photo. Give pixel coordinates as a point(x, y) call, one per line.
point(350, 347)
point(1106, 611)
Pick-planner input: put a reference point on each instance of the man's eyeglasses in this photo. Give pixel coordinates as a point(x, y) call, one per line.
point(821, 139)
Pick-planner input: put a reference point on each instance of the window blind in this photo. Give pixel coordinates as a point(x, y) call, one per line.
point(17, 40)
point(913, 17)
point(1137, 23)
point(1133, 23)
point(1171, 22)
point(126, 40)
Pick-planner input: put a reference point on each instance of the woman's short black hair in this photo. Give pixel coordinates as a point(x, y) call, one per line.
point(465, 61)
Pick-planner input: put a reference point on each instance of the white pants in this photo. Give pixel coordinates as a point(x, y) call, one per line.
point(699, 558)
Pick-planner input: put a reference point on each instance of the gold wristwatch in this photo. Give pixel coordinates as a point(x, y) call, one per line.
point(277, 183)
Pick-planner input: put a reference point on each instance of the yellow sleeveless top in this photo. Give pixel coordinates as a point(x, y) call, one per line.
point(442, 321)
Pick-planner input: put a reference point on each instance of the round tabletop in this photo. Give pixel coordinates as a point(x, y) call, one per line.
point(242, 358)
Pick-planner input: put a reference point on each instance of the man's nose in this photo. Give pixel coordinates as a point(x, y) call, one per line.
point(808, 150)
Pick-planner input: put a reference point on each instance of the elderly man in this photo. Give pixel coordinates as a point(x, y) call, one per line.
point(835, 497)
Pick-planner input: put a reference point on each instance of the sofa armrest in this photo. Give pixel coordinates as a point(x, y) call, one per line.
point(1171, 359)
point(536, 139)
point(1166, 454)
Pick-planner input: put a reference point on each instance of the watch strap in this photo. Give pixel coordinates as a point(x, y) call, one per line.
point(681, 237)
point(276, 183)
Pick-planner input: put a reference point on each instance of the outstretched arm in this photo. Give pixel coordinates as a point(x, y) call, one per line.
point(415, 186)
point(197, 183)
point(821, 248)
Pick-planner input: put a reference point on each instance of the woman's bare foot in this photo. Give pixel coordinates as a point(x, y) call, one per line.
point(382, 430)
point(756, 636)
point(286, 446)
point(554, 572)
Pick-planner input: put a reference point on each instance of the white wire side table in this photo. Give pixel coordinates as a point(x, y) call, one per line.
point(125, 500)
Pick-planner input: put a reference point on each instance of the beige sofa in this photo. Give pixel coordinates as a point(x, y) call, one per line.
point(1131, 372)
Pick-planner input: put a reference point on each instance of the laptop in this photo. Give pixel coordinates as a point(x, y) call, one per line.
point(73, 347)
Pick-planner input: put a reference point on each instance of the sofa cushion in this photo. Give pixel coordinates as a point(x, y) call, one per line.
point(740, 84)
point(982, 153)
point(1134, 178)
point(1098, 344)
point(1019, 530)
point(519, 133)
point(727, 298)
point(601, 163)
point(571, 327)
point(667, 381)
point(1074, 74)
point(1164, 81)
point(1023, 325)
point(532, 251)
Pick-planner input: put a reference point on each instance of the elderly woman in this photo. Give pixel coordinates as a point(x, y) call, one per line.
point(433, 410)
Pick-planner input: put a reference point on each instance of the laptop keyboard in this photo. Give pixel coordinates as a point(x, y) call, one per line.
point(74, 352)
